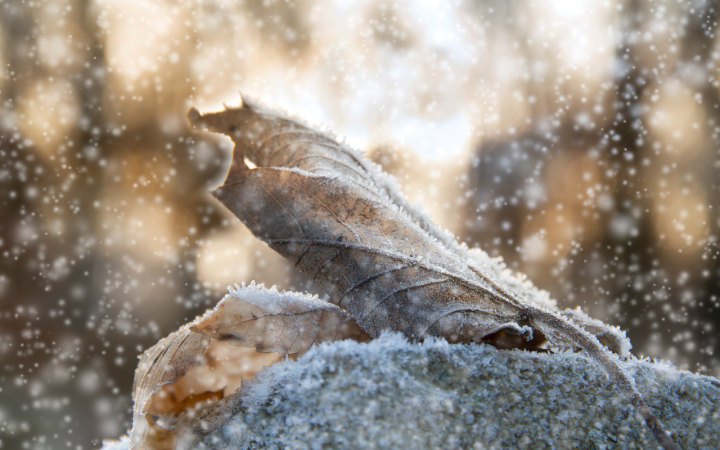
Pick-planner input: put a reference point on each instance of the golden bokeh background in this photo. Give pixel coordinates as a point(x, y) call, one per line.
point(578, 140)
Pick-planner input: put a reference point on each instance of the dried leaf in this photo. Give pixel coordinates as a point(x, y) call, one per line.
point(340, 220)
point(161, 365)
point(285, 323)
point(188, 372)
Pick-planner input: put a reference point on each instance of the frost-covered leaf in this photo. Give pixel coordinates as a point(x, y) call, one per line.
point(610, 336)
point(162, 365)
point(340, 220)
point(186, 374)
point(270, 321)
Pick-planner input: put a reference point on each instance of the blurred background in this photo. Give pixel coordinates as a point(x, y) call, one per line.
point(579, 140)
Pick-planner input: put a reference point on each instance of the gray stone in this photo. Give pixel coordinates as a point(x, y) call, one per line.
point(393, 394)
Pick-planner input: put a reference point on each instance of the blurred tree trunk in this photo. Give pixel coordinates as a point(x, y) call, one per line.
point(29, 180)
point(698, 56)
point(627, 236)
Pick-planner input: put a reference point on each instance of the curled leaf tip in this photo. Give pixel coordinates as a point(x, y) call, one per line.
point(227, 121)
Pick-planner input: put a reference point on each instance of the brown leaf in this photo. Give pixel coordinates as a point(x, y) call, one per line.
point(285, 323)
point(161, 365)
point(340, 220)
point(187, 373)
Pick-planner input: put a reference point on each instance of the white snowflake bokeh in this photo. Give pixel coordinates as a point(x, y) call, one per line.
point(579, 140)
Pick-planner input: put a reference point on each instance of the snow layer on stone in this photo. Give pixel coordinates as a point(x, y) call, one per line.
point(393, 394)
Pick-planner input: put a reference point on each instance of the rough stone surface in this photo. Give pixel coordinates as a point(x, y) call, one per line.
point(392, 394)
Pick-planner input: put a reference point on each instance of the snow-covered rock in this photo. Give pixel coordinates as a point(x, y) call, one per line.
point(393, 394)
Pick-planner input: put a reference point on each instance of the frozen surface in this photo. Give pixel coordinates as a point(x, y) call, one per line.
point(392, 394)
